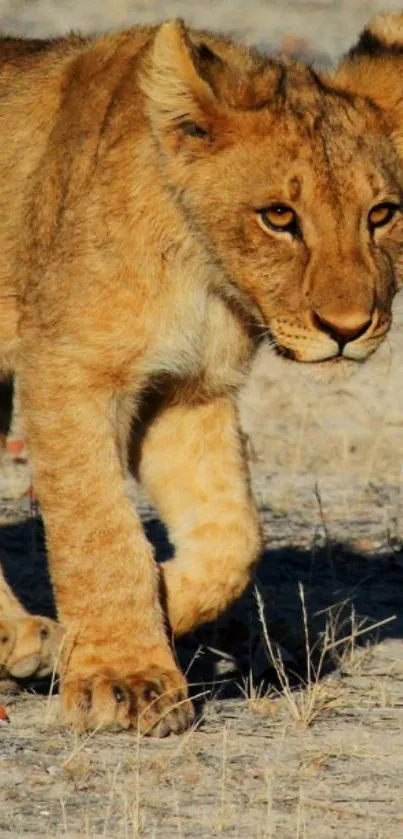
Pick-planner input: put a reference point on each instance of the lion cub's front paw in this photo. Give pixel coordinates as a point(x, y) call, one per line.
point(29, 646)
point(153, 701)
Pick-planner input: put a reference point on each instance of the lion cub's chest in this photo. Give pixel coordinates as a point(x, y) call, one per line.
point(198, 338)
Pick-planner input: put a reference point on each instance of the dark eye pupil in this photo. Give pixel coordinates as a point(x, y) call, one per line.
point(382, 214)
point(280, 218)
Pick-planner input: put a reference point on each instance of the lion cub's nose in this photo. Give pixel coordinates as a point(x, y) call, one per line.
point(343, 327)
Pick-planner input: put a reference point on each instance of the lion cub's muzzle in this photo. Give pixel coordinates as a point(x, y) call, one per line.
point(330, 335)
point(355, 334)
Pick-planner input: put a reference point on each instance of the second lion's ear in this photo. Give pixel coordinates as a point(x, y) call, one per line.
point(374, 68)
point(181, 101)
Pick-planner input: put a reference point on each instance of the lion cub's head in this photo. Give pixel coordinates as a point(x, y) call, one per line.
point(293, 180)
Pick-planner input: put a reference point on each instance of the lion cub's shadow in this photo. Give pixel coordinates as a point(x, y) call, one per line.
point(342, 590)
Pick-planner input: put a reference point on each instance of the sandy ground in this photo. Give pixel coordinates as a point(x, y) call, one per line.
point(264, 761)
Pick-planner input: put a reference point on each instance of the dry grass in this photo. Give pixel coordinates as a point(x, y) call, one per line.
point(315, 694)
point(268, 768)
point(271, 764)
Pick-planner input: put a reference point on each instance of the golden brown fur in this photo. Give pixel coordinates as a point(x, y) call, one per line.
point(136, 259)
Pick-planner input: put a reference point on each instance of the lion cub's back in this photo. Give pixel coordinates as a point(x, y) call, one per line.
point(28, 102)
point(30, 88)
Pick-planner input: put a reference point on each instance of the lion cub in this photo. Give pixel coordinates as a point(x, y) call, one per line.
point(167, 199)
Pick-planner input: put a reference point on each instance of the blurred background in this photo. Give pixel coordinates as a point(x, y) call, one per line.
point(325, 26)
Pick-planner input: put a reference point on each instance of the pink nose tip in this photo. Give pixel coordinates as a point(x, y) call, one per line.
point(343, 328)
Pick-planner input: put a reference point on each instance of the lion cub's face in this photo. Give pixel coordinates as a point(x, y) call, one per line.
point(306, 219)
point(298, 189)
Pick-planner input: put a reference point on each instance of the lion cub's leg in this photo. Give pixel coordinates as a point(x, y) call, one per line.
point(193, 466)
point(117, 666)
point(29, 644)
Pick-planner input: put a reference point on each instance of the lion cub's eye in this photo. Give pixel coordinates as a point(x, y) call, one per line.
point(382, 214)
point(279, 217)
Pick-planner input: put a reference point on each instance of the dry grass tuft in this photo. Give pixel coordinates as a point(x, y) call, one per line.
point(317, 693)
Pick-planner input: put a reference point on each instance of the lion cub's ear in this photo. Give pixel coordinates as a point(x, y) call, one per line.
point(374, 68)
point(178, 83)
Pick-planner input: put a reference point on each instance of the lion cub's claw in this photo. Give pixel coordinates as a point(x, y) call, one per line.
point(153, 702)
point(28, 646)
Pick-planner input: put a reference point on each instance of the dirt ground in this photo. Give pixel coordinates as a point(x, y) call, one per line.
point(300, 687)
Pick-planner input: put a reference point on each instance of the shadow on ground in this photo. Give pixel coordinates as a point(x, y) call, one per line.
point(345, 590)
